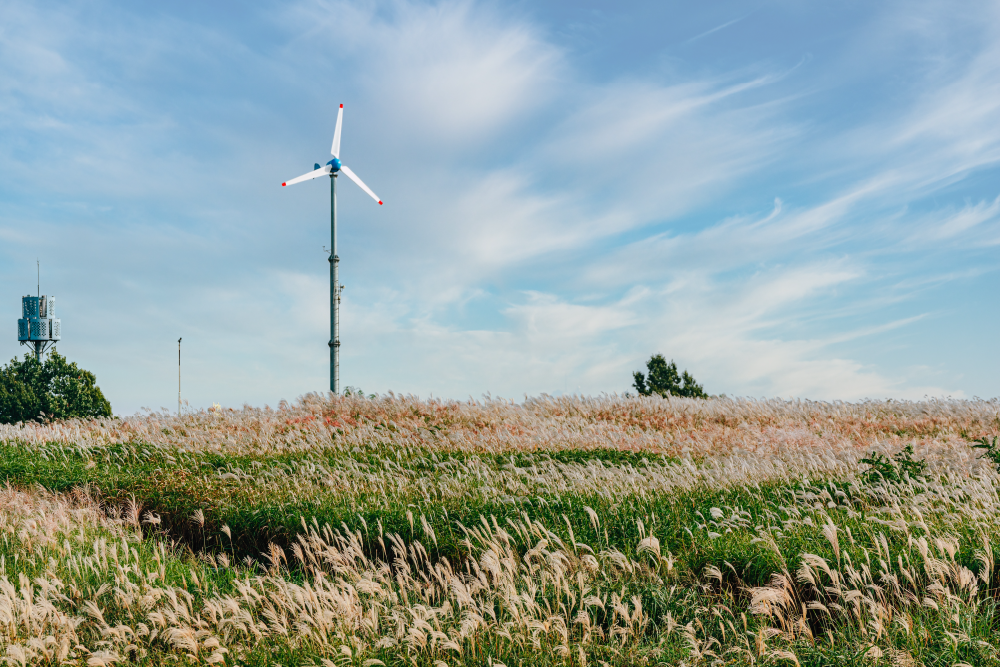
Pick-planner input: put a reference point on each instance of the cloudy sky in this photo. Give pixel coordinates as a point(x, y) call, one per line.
point(789, 199)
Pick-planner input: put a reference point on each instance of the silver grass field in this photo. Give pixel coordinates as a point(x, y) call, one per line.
point(558, 531)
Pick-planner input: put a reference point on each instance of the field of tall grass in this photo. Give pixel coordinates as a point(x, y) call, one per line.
point(341, 530)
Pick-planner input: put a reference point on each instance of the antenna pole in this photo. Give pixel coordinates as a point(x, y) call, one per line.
point(38, 269)
point(334, 292)
point(178, 377)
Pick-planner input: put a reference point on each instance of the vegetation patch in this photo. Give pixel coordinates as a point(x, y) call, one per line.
point(559, 531)
point(31, 390)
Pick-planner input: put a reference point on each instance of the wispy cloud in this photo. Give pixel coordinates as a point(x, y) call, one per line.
point(710, 31)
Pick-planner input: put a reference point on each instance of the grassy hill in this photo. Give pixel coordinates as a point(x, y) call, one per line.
point(566, 531)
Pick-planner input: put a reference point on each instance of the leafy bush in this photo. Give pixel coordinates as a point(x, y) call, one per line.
point(53, 389)
point(357, 391)
point(664, 380)
point(882, 467)
point(992, 450)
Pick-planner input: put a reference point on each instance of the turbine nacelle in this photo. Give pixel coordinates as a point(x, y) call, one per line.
point(334, 165)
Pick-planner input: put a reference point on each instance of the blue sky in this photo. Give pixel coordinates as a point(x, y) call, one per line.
point(789, 199)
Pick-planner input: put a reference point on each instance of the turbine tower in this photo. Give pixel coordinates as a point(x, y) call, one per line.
point(331, 169)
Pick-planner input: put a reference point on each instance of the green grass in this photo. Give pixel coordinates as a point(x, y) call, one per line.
point(420, 510)
point(176, 485)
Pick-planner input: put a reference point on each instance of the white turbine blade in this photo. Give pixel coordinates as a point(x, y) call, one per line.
point(354, 177)
point(322, 171)
point(335, 149)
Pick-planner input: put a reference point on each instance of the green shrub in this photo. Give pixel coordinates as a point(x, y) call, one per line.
point(893, 470)
point(664, 380)
point(992, 450)
point(53, 389)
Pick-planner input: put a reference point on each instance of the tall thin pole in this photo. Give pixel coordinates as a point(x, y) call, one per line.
point(178, 377)
point(38, 302)
point(334, 292)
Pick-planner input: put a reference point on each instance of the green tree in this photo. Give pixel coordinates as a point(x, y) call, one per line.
point(54, 389)
point(664, 380)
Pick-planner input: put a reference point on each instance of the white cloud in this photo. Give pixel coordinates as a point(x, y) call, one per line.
point(968, 222)
point(447, 76)
point(552, 345)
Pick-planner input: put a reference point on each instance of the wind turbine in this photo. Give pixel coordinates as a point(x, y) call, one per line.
point(330, 169)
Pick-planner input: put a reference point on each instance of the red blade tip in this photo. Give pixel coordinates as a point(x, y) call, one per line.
point(379, 202)
point(283, 184)
point(341, 106)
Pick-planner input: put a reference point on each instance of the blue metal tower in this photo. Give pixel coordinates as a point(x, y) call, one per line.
point(39, 328)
